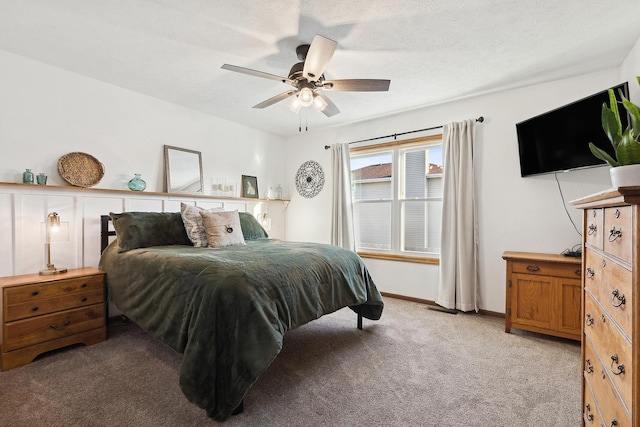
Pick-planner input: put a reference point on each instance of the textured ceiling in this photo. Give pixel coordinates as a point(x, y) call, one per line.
point(433, 51)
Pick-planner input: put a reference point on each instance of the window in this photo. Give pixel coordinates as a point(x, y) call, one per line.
point(397, 195)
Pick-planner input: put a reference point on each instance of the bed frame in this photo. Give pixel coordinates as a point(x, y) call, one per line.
point(105, 233)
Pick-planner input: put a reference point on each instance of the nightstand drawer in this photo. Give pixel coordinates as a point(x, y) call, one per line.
point(28, 293)
point(83, 284)
point(23, 333)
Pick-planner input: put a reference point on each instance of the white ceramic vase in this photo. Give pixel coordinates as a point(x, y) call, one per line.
point(625, 176)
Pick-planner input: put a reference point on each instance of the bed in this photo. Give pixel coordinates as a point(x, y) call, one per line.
point(226, 309)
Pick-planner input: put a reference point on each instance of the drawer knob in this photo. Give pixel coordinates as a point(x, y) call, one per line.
point(616, 296)
point(617, 213)
point(590, 273)
point(619, 370)
point(34, 308)
point(84, 299)
point(614, 423)
point(588, 367)
point(615, 234)
point(587, 413)
point(60, 328)
point(591, 230)
point(533, 268)
point(84, 285)
point(604, 263)
point(34, 293)
point(589, 320)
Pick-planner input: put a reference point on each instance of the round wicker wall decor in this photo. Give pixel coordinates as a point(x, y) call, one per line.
point(80, 169)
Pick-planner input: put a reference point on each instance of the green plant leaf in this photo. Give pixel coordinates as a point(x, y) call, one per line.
point(628, 151)
point(611, 125)
point(634, 113)
point(603, 155)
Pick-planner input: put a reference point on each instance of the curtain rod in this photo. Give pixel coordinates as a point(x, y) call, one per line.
point(395, 135)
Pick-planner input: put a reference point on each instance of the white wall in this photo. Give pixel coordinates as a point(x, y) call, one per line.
point(46, 112)
point(514, 213)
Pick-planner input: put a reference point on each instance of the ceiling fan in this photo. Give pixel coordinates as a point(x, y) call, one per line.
point(308, 80)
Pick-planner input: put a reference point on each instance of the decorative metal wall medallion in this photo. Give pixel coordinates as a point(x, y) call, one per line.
point(309, 179)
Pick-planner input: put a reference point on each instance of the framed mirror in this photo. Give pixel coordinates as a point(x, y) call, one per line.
point(183, 170)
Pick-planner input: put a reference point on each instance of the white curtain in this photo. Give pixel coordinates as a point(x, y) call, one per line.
point(457, 288)
point(342, 231)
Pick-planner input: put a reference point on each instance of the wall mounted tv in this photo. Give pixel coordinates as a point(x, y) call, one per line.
point(559, 139)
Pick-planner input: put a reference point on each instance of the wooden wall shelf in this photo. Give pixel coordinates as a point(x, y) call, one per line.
point(37, 187)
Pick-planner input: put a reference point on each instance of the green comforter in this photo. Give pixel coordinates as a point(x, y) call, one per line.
point(227, 309)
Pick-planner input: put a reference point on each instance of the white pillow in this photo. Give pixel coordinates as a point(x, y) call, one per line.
point(222, 228)
point(193, 223)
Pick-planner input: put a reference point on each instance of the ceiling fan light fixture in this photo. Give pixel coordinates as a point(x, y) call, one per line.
point(305, 97)
point(319, 103)
point(294, 104)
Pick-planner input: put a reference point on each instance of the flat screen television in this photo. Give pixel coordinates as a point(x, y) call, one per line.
point(559, 139)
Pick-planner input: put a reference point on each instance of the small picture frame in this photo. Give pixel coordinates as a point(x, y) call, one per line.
point(249, 186)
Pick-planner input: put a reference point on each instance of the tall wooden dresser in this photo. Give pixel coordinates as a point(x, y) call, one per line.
point(611, 316)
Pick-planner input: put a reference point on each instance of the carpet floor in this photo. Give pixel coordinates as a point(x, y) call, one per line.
point(414, 367)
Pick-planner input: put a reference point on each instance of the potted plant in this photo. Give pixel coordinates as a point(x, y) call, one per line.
point(625, 167)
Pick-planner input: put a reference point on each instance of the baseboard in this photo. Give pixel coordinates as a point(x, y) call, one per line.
point(433, 303)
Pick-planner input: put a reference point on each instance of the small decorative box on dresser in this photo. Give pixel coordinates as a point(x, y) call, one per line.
point(43, 313)
point(610, 343)
point(543, 294)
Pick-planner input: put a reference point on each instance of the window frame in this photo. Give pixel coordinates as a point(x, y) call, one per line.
point(396, 147)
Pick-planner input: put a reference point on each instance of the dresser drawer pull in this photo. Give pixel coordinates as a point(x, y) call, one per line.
point(34, 293)
point(592, 229)
point(620, 368)
point(60, 328)
point(84, 285)
point(588, 367)
point(533, 268)
point(588, 413)
point(615, 234)
point(604, 263)
point(34, 308)
point(617, 213)
point(614, 423)
point(616, 296)
point(590, 320)
point(590, 273)
point(603, 318)
point(84, 299)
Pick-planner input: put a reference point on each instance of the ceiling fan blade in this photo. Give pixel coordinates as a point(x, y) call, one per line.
point(256, 73)
point(357, 85)
point(318, 56)
point(330, 109)
point(275, 99)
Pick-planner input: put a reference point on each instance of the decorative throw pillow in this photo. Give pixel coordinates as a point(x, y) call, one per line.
point(251, 228)
point(144, 229)
point(193, 223)
point(222, 228)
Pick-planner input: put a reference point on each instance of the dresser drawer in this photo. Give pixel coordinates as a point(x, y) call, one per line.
point(597, 370)
point(594, 223)
point(610, 347)
point(590, 412)
point(23, 333)
point(572, 271)
point(618, 232)
point(611, 284)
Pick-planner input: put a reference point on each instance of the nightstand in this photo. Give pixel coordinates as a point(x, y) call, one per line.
point(43, 313)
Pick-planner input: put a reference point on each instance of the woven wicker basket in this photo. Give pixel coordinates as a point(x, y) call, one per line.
point(80, 169)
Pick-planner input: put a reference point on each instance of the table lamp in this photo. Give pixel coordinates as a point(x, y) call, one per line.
point(54, 231)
